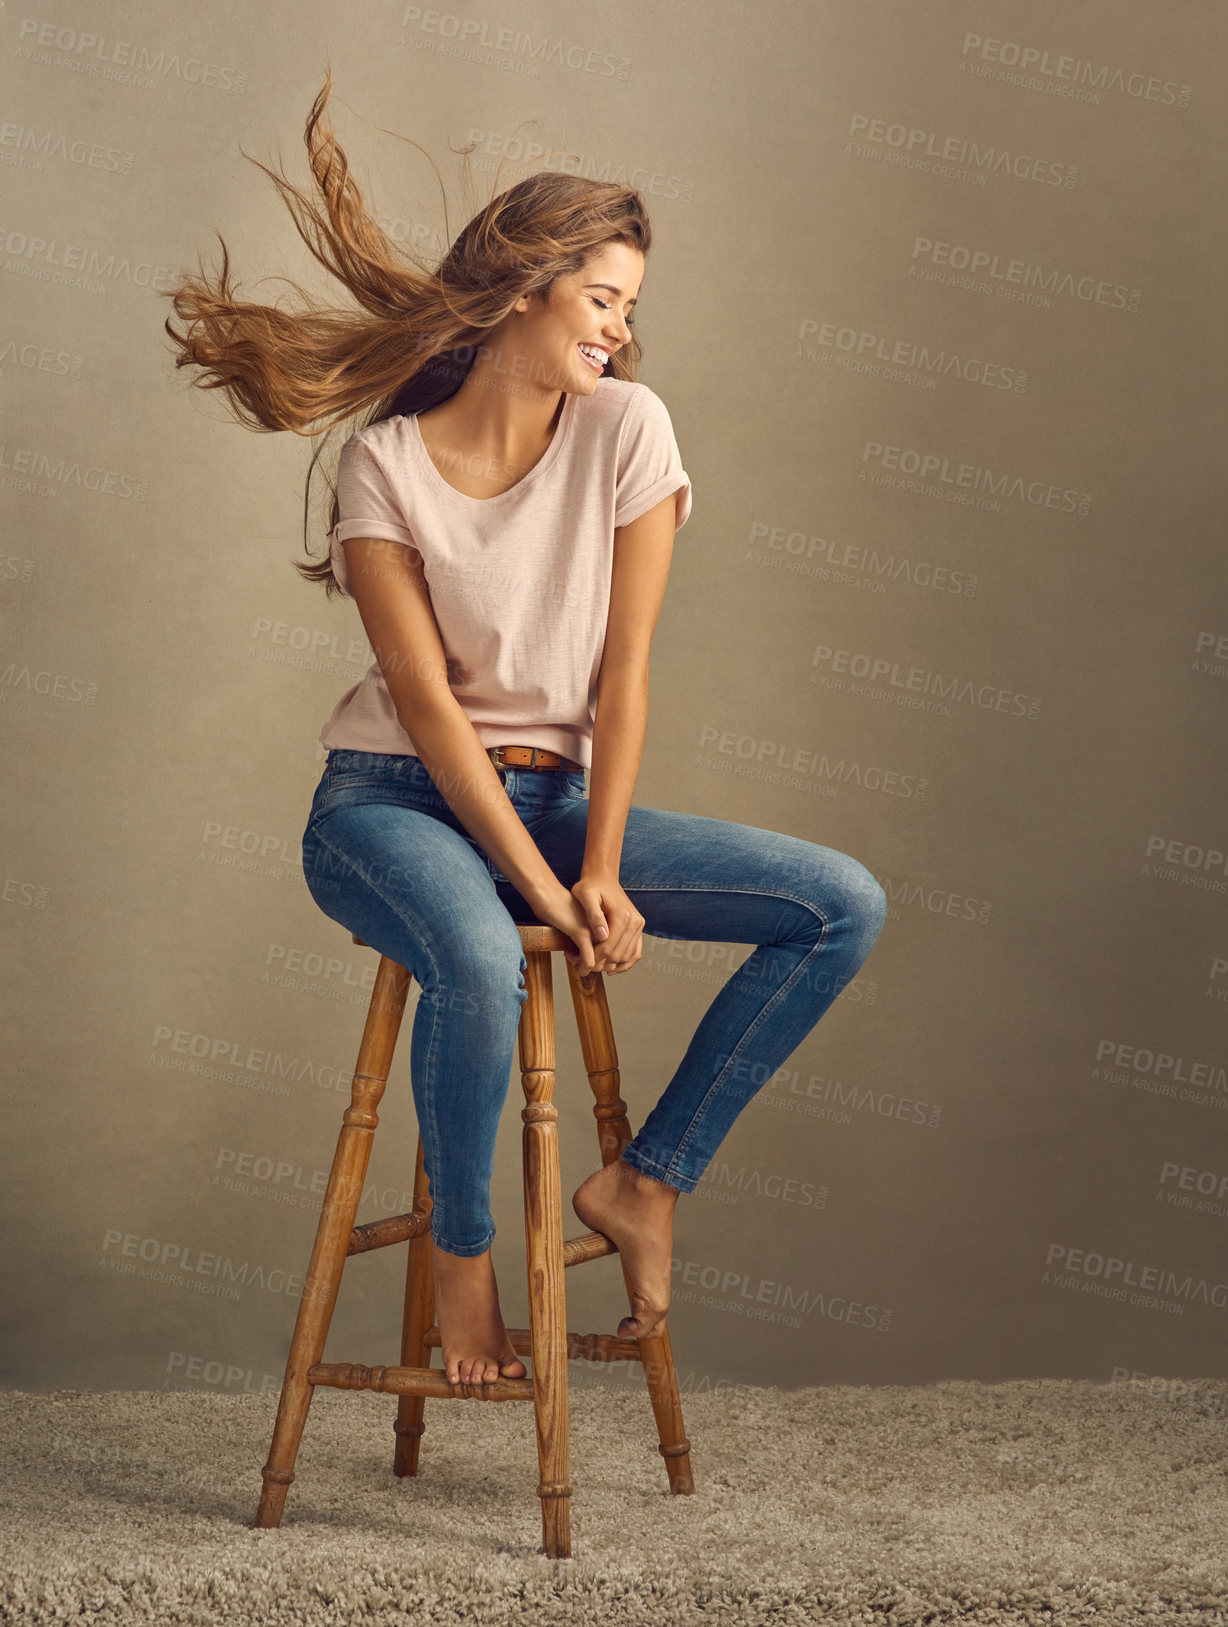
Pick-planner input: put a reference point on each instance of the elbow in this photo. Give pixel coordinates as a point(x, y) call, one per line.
point(424, 709)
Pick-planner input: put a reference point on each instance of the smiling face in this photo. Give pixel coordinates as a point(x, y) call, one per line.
point(587, 311)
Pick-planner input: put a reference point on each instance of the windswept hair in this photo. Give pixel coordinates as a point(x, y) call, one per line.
point(417, 330)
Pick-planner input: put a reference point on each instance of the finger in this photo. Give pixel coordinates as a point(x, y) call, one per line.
point(622, 950)
point(615, 947)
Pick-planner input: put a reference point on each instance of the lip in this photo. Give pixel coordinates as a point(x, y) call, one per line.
point(602, 348)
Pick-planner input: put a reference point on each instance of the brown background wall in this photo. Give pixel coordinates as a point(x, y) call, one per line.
point(936, 305)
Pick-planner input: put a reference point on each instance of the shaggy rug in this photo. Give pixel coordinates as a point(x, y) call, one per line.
point(1042, 1501)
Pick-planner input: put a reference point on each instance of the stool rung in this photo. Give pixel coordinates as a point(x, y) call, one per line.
point(399, 1228)
point(580, 1346)
point(430, 1381)
point(601, 1347)
point(396, 1229)
point(587, 1246)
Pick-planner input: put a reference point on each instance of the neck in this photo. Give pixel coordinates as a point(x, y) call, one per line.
point(502, 412)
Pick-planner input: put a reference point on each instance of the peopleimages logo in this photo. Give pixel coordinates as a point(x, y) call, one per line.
point(1216, 664)
point(517, 149)
point(36, 144)
point(309, 648)
point(957, 480)
point(77, 265)
point(1189, 863)
point(31, 468)
point(807, 554)
point(1162, 1066)
point(1117, 1274)
point(816, 337)
point(478, 38)
point(905, 685)
point(1202, 1190)
point(1019, 275)
point(124, 61)
point(219, 1375)
point(812, 764)
point(252, 851)
point(1071, 73)
point(60, 686)
point(928, 150)
point(1159, 1073)
point(744, 1296)
point(932, 900)
point(231, 1061)
point(182, 1265)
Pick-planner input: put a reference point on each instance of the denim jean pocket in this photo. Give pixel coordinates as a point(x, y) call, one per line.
point(571, 782)
point(355, 768)
point(356, 778)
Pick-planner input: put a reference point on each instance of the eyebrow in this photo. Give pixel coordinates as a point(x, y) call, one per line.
point(609, 288)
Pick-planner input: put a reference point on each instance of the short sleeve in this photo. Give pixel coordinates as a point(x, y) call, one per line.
point(367, 505)
point(649, 463)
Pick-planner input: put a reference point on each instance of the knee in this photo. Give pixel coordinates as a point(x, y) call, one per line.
point(848, 900)
point(866, 902)
point(482, 974)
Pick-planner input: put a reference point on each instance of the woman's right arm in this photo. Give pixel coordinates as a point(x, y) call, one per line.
point(388, 586)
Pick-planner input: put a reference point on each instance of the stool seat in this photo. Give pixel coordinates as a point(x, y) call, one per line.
point(535, 935)
point(546, 1342)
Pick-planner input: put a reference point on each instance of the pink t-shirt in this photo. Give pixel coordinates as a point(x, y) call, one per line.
point(519, 583)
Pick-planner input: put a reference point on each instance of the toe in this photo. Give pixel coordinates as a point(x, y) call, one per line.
point(646, 1323)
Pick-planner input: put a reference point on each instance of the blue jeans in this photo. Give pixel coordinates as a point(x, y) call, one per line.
point(385, 856)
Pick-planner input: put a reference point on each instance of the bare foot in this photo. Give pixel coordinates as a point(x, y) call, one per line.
point(473, 1339)
point(636, 1212)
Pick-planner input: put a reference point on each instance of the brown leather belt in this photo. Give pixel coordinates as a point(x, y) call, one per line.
point(535, 757)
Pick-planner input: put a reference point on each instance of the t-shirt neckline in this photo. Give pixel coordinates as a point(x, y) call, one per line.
point(539, 468)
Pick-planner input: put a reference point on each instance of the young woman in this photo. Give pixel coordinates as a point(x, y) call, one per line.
point(504, 520)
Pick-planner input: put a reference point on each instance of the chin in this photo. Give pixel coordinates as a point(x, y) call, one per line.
point(589, 375)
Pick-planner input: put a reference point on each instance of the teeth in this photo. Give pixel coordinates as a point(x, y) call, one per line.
point(595, 354)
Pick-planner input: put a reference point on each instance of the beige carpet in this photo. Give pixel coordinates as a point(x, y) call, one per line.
point(1041, 1502)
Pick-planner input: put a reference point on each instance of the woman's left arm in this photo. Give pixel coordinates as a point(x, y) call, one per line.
point(642, 552)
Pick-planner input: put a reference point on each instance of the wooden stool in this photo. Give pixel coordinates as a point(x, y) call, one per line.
point(546, 1341)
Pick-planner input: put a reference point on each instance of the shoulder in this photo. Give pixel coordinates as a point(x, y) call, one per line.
point(622, 406)
point(621, 396)
point(382, 437)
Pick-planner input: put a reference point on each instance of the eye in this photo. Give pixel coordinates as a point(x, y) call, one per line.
point(605, 306)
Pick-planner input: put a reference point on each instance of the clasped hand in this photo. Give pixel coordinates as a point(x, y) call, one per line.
point(603, 924)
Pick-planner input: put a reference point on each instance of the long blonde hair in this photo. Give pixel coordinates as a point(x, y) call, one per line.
point(413, 341)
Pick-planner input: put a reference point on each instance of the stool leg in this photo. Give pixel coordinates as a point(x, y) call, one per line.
point(419, 1315)
point(328, 1256)
point(613, 1132)
point(543, 1220)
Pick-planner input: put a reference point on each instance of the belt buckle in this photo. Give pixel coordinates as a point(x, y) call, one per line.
point(493, 752)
